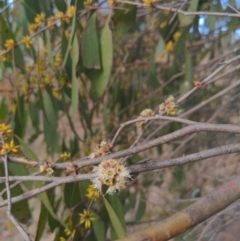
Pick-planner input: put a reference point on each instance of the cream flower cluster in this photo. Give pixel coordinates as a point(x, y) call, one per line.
point(111, 174)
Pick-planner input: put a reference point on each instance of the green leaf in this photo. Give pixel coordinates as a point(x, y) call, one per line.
point(46, 202)
point(49, 49)
point(72, 194)
point(90, 45)
point(34, 115)
point(131, 200)
point(20, 210)
point(117, 226)
point(61, 5)
point(32, 8)
point(124, 18)
point(46, 8)
point(3, 109)
point(141, 207)
point(83, 187)
point(42, 221)
point(67, 49)
point(101, 78)
point(20, 118)
point(160, 48)
point(50, 124)
point(98, 228)
point(187, 20)
point(75, 56)
point(188, 80)
point(26, 150)
point(6, 33)
point(116, 204)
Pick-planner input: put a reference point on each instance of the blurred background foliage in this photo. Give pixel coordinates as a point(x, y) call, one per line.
point(72, 71)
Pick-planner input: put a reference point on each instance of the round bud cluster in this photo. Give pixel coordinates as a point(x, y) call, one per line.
point(102, 149)
point(144, 113)
point(169, 107)
point(111, 174)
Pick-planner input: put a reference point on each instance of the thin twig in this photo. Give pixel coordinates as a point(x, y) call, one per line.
point(157, 117)
point(9, 202)
point(223, 65)
point(57, 182)
point(192, 13)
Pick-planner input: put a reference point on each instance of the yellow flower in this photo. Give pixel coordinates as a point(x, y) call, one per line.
point(163, 24)
point(9, 44)
point(49, 171)
point(88, 4)
point(10, 225)
point(57, 93)
point(169, 47)
point(148, 3)
point(58, 60)
point(43, 52)
point(3, 57)
point(62, 239)
point(5, 129)
point(50, 22)
point(9, 148)
point(65, 155)
point(162, 59)
point(111, 3)
point(47, 79)
point(70, 230)
point(39, 19)
point(27, 41)
point(92, 193)
point(13, 108)
point(32, 28)
point(71, 11)
point(59, 15)
point(166, 12)
point(176, 36)
point(67, 34)
point(40, 66)
point(86, 218)
point(63, 81)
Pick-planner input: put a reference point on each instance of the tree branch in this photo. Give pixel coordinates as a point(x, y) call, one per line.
point(194, 214)
point(155, 164)
point(57, 182)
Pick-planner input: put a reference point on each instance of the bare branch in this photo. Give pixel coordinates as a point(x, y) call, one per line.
point(235, 129)
point(191, 13)
point(196, 213)
point(57, 182)
point(157, 117)
point(156, 164)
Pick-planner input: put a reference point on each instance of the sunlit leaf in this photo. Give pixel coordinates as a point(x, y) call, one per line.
point(101, 78)
point(118, 228)
point(50, 124)
point(187, 20)
point(188, 80)
point(75, 56)
point(98, 228)
point(42, 221)
point(90, 45)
